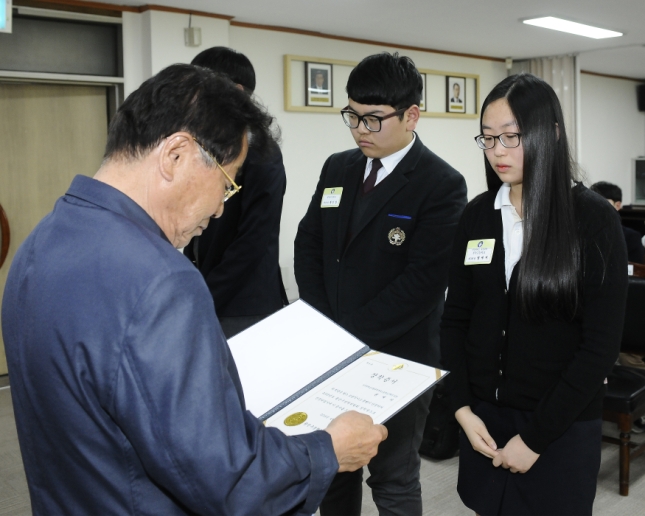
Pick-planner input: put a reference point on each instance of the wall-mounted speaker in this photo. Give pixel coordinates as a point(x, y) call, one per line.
point(640, 95)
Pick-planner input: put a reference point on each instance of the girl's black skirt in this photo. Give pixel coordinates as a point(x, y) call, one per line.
point(561, 482)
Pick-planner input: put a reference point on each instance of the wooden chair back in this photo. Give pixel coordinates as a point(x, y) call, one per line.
point(636, 269)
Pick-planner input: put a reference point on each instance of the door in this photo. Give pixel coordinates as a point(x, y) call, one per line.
point(48, 134)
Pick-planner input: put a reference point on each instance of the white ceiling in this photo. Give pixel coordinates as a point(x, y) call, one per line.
point(490, 28)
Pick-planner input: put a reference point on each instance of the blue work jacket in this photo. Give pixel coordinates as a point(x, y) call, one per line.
point(126, 397)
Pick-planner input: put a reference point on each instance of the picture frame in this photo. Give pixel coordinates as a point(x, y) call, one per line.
point(422, 104)
point(435, 103)
point(455, 94)
point(318, 84)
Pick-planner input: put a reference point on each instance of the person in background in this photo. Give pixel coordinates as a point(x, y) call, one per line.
point(238, 254)
point(126, 396)
point(534, 315)
point(372, 254)
point(613, 193)
point(636, 254)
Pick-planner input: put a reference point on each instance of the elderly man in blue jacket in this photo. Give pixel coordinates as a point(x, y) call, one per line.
point(126, 397)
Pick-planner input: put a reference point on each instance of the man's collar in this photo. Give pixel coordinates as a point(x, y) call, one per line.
point(107, 197)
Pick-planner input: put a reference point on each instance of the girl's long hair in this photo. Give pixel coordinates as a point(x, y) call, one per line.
point(549, 271)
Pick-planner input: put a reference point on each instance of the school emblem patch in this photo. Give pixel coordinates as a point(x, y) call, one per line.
point(396, 236)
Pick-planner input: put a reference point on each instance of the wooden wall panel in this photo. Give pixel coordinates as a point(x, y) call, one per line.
point(48, 134)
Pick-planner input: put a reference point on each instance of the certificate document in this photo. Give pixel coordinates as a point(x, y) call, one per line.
point(299, 370)
point(375, 384)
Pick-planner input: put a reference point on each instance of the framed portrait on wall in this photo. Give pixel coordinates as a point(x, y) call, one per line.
point(455, 94)
point(422, 104)
point(318, 84)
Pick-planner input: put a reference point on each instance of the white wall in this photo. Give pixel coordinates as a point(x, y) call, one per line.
point(137, 57)
point(309, 138)
point(612, 131)
point(154, 39)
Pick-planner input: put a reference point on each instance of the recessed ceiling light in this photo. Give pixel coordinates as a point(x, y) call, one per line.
point(550, 22)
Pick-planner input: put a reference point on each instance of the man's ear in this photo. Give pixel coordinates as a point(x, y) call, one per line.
point(412, 117)
point(557, 131)
point(174, 151)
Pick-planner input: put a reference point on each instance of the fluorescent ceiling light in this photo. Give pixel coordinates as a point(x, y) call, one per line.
point(67, 15)
point(550, 22)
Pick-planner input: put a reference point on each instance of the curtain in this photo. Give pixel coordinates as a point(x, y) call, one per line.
point(562, 74)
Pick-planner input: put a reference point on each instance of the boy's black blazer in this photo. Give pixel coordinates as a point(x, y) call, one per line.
point(238, 253)
point(389, 296)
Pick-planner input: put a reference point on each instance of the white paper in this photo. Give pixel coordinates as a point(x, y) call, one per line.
point(286, 351)
point(376, 384)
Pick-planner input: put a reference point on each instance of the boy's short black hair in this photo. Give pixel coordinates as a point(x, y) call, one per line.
point(608, 191)
point(230, 62)
point(386, 79)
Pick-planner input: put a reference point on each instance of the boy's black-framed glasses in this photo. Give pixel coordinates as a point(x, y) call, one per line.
point(508, 140)
point(372, 122)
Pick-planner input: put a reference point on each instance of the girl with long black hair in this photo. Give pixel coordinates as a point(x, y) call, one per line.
point(534, 313)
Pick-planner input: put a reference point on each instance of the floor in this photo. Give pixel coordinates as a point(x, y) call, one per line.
point(14, 496)
point(438, 478)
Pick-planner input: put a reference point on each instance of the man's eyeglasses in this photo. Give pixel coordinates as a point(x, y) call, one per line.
point(372, 122)
point(508, 140)
point(230, 190)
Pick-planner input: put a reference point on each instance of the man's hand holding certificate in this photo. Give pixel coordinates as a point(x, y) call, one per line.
point(355, 439)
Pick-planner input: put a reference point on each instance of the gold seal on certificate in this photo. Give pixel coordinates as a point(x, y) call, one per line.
point(295, 419)
point(397, 367)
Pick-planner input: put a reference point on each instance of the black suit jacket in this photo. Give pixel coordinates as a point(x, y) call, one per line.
point(389, 296)
point(635, 249)
point(238, 253)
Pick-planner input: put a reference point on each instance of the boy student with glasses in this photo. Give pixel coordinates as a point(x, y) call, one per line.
point(372, 254)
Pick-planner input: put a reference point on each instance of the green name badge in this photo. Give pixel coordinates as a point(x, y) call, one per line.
point(331, 197)
point(479, 252)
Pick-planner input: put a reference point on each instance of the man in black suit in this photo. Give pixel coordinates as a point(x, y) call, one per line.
point(238, 253)
point(613, 193)
point(319, 82)
point(372, 254)
point(636, 254)
point(455, 94)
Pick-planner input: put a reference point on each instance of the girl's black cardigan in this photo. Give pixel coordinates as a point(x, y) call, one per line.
point(557, 368)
